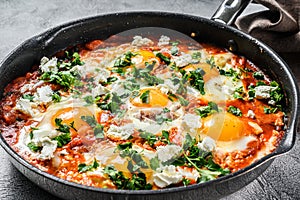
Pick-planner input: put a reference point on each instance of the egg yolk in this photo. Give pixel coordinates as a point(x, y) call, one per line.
point(146, 54)
point(156, 99)
point(223, 127)
point(71, 114)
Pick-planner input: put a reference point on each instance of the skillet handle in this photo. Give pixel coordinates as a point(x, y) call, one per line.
point(229, 10)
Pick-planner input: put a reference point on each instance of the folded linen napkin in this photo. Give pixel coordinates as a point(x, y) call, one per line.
point(278, 27)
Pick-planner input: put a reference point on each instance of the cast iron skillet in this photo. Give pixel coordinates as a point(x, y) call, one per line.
point(20, 61)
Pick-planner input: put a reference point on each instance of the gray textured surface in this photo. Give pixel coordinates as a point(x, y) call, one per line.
point(20, 20)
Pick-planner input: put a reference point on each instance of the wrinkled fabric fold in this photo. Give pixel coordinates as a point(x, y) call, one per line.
point(278, 26)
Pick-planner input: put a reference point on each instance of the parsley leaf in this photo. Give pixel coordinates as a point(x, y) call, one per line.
point(196, 80)
point(207, 110)
point(183, 101)
point(270, 110)
point(97, 128)
point(89, 100)
point(234, 110)
point(30, 97)
point(33, 147)
point(154, 163)
point(145, 96)
point(63, 139)
point(258, 76)
point(136, 182)
point(164, 58)
point(124, 60)
point(82, 167)
point(61, 127)
point(56, 97)
point(211, 62)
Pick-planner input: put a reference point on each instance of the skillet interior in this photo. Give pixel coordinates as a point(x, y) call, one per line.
point(21, 60)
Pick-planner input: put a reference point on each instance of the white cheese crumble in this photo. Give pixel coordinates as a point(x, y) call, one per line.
point(121, 132)
point(99, 90)
point(45, 130)
point(24, 106)
point(118, 88)
point(168, 152)
point(263, 91)
point(251, 114)
point(166, 176)
point(163, 40)
point(167, 86)
point(191, 122)
point(207, 144)
point(43, 94)
point(49, 146)
point(140, 41)
point(182, 60)
point(102, 75)
point(49, 65)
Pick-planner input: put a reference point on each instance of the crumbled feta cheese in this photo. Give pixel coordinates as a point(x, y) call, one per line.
point(167, 86)
point(102, 76)
point(182, 60)
point(207, 144)
point(191, 122)
point(140, 41)
point(166, 176)
point(43, 94)
point(49, 65)
point(163, 88)
point(272, 102)
point(256, 127)
point(121, 132)
point(118, 88)
point(24, 106)
point(188, 173)
point(80, 69)
point(26, 87)
point(49, 146)
point(168, 152)
point(263, 91)
point(163, 40)
point(45, 130)
point(250, 114)
point(99, 90)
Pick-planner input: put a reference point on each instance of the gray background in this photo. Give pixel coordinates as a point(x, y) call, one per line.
point(20, 20)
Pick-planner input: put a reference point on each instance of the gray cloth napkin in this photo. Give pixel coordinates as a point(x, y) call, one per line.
point(278, 27)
